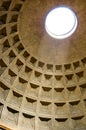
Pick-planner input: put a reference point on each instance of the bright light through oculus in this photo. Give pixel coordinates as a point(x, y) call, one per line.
point(61, 22)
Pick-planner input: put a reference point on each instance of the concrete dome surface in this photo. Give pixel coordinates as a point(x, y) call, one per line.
point(42, 79)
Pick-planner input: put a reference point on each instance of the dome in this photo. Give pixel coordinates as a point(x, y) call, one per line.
point(42, 79)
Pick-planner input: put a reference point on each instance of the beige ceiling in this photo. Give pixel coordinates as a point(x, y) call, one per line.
point(42, 80)
point(39, 44)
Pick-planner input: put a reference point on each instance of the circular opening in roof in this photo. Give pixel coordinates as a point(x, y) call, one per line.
point(61, 22)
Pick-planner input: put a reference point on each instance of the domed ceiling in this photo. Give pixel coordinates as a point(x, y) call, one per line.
point(42, 80)
point(34, 37)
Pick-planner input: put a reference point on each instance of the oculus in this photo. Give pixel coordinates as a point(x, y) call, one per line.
point(61, 22)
